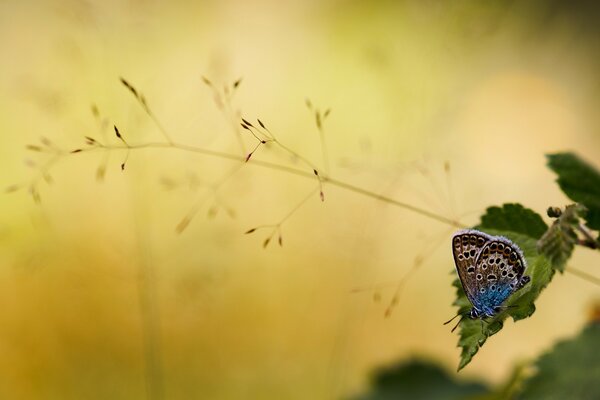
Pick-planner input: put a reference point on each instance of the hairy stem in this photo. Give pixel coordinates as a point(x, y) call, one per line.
point(589, 240)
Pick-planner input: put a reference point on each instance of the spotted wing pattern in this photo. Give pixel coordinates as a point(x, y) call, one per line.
point(499, 272)
point(466, 246)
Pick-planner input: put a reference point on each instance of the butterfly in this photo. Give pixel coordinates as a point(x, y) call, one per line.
point(490, 268)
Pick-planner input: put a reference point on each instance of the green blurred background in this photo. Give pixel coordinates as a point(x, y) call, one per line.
point(100, 297)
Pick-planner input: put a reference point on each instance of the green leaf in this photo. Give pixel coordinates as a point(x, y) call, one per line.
point(570, 371)
point(580, 182)
point(559, 241)
point(417, 379)
point(473, 334)
point(513, 217)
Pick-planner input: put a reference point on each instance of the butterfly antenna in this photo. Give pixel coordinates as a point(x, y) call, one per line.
point(458, 323)
point(452, 319)
point(462, 316)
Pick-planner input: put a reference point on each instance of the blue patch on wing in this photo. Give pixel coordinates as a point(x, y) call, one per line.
point(494, 295)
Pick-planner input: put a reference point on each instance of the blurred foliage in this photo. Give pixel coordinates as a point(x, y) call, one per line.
point(569, 371)
point(419, 379)
point(580, 182)
point(523, 226)
point(511, 387)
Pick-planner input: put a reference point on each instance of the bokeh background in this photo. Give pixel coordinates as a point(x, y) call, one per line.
point(449, 106)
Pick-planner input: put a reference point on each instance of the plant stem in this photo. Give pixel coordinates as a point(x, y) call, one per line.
point(284, 168)
point(148, 301)
point(583, 275)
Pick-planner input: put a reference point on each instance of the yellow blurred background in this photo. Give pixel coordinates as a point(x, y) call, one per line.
point(101, 298)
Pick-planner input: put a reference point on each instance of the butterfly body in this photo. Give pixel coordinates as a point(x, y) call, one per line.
point(490, 268)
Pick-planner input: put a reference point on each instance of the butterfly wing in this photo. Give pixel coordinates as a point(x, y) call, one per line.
point(499, 272)
point(466, 246)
